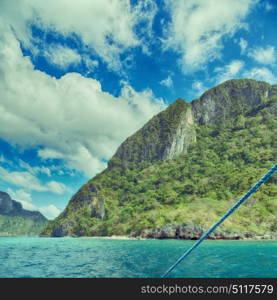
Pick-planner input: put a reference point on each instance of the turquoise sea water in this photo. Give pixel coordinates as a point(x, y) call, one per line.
point(88, 257)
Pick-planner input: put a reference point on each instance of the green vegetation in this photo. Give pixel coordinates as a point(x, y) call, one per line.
point(197, 186)
point(19, 225)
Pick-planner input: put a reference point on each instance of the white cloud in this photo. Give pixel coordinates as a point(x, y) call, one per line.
point(49, 154)
point(229, 71)
point(56, 187)
point(19, 195)
point(198, 26)
point(50, 170)
point(49, 211)
point(62, 56)
point(167, 82)
point(90, 64)
point(243, 45)
point(34, 170)
point(30, 182)
point(81, 159)
point(199, 87)
point(21, 179)
point(264, 55)
point(70, 118)
point(144, 13)
point(25, 198)
point(108, 27)
point(263, 74)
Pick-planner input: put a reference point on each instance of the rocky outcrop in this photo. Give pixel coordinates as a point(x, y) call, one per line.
point(190, 231)
point(90, 199)
point(64, 229)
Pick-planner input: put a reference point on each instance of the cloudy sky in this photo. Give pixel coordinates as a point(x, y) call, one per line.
point(78, 77)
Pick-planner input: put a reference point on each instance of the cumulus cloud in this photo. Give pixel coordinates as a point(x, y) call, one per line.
point(264, 55)
point(167, 82)
point(30, 182)
point(108, 27)
point(49, 211)
point(229, 71)
point(263, 74)
point(70, 118)
point(25, 198)
point(56, 187)
point(198, 26)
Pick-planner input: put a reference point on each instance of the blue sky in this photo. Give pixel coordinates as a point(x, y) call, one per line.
point(78, 77)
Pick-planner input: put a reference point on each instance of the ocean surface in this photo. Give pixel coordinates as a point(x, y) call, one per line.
point(90, 257)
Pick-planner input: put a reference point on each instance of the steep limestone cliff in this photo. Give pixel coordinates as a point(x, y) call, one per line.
point(166, 135)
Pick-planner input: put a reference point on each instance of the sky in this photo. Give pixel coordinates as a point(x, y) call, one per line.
point(78, 77)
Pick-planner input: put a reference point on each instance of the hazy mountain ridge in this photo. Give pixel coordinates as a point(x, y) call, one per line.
point(186, 165)
point(14, 220)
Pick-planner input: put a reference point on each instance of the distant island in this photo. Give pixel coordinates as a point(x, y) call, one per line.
point(16, 221)
point(183, 169)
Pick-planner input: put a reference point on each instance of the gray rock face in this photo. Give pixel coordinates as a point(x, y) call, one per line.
point(165, 136)
point(90, 199)
point(97, 203)
point(64, 229)
point(228, 99)
point(187, 231)
point(6, 203)
point(183, 136)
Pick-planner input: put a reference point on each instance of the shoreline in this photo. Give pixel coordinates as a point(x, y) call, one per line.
point(143, 238)
point(124, 237)
point(112, 237)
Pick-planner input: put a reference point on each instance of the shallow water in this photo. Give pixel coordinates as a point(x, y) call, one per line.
point(89, 257)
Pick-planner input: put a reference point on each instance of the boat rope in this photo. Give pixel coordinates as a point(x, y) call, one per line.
point(252, 190)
